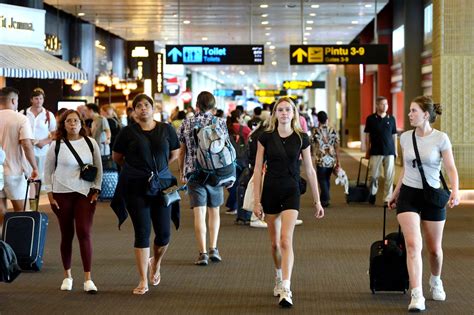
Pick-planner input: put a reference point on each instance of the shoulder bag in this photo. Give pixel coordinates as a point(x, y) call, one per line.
point(88, 171)
point(435, 197)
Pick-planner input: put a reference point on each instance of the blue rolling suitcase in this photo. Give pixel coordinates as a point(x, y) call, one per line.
point(25, 232)
point(109, 183)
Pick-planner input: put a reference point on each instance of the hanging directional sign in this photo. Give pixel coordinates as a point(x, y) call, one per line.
point(338, 54)
point(215, 54)
point(267, 93)
point(301, 85)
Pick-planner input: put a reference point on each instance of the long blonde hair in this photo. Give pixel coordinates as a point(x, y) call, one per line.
point(295, 122)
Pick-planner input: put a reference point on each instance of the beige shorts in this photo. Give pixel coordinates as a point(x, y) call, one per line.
point(14, 187)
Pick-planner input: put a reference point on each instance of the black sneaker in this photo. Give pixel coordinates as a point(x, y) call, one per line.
point(372, 199)
point(214, 255)
point(203, 260)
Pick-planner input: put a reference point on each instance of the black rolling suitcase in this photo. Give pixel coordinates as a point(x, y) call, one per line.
point(358, 191)
point(388, 262)
point(243, 216)
point(109, 184)
point(25, 232)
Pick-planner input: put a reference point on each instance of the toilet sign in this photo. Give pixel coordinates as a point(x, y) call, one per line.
point(215, 54)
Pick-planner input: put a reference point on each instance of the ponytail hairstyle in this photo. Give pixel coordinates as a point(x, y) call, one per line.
point(426, 104)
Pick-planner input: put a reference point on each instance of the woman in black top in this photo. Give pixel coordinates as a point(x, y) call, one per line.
point(135, 148)
point(281, 145)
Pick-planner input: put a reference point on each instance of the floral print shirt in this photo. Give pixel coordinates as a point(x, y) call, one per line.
point(325, 141)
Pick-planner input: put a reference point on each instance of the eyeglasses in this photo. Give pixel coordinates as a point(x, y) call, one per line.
point(72, 120)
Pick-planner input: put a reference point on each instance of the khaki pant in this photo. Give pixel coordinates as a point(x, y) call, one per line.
point(376, 162)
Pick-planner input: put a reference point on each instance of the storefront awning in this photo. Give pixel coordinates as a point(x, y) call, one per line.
point(25, 62)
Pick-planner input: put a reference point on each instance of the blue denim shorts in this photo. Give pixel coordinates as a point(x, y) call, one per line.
point(205, 195)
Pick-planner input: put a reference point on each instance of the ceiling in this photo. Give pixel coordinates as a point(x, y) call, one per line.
point(234, 22)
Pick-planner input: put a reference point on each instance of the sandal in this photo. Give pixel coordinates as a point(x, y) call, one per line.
point(140, 290)
point(154, 279)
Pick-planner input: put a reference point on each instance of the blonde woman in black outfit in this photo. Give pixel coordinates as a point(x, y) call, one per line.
point(280, 197)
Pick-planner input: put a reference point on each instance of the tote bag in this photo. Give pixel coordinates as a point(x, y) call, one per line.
point(249, 196)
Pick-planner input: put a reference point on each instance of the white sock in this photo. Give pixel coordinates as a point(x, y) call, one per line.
point(278, 274)
point(417, 291)
point(286, 284)
point(434, 280)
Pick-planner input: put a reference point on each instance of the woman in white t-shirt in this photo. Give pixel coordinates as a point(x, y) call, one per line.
point(434, 148)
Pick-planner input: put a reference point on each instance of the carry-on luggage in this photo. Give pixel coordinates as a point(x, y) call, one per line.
point(388, 262)
point(243, 216)
point(109, 184)
point(358, 191)
point(25, 232)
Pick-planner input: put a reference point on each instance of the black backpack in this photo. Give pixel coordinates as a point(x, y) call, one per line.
point(241, 149)
point(9, 268)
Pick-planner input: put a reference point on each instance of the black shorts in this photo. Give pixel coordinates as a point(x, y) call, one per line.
point(280, 194)
point(411, 200)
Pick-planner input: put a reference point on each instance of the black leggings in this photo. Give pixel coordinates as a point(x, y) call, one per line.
point(144, 210)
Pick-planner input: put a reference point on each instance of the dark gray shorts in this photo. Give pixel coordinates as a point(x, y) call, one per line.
point(204, 195)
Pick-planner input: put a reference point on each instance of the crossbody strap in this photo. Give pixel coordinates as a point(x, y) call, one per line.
point(282, 151)
point(420, 166)
point(150, 148)
point(58, 144)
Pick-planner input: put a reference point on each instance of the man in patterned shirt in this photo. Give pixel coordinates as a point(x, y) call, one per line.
point(203, 197)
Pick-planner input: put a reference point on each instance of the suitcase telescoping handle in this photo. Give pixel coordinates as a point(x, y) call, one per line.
point(37, 183)
point(366, 174)
point(385, 220)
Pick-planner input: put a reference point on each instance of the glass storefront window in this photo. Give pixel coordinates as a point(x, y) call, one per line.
point(428, 25)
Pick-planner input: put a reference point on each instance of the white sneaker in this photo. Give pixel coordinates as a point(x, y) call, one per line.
point(258, 224)
point(298, 222)
point(417, 303)
point(67, 284)
point(285, 298)
point(90, 287)
point(437, 291)
point(278, 287)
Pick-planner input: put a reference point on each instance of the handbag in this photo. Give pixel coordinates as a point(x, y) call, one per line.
point(171, 195)
point(88, 172)
point(249, 196)
point(301, 181)
point(435, 197)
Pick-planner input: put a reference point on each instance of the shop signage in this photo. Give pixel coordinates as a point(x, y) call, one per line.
point(53, 45)
point(227, 92)
point(215, 54)
point(22, 26)
point(301, 85)
point(267, 93)
point(338, 54)
point(159, 73)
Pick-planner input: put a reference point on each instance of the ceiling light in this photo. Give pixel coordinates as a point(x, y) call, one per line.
point(268, 43)
point(361, 13)
point(268, 28)
point(312, 14)
point(175, 15)
point(355, 22)
point(166, 38)
point(309, 22)
point(204, 38)
point(294, 74)
point(305, 43)
point(307, 34)
point(315, 6)
point(339, 42)
point(305, 39)
point(264, 6)
point(264, 15)
point(264, 22)
point(274, 63)
point(309, 28)
point(267, 34)
point(272, 47)
point(81, 14)
point(222, 72)
point(242, 72)
point(368, 6)
point(186, 22)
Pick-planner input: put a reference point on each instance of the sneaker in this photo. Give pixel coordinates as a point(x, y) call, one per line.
point(285, 298)
point(214, 255)
point(437, 291)
point(67, 284)
point(298, 222)
point(372, 199)
point(278, 287)
point(231, 211)
point(202, 260)
point(258, 224)
point(90, 287)
point(417, 303)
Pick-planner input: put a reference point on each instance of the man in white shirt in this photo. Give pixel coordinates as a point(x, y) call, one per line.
point(16, 140)
point(43, 124)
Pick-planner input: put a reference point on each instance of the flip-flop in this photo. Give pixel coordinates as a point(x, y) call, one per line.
point(140, 291)
point(154, 279)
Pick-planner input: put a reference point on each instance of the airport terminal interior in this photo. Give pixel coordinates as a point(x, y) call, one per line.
point(336, 57)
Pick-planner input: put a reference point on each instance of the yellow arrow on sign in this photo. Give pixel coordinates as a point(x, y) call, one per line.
point(299, 54)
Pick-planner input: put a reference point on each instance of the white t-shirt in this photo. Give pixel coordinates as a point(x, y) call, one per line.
point(13, 128)
point(430, 148)
point(41, 125)
point(66, 178)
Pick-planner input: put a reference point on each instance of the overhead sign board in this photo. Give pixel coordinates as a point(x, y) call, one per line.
point(338, 54)
point(215, 54)
point(301, 85)
point(227, 92)
point(269, 93)
point(21, 26)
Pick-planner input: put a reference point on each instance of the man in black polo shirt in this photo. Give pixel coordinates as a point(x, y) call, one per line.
point(381, 137)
